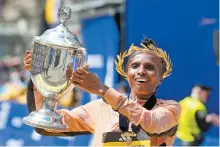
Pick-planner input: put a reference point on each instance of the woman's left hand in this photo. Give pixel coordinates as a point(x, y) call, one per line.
point(88, 81)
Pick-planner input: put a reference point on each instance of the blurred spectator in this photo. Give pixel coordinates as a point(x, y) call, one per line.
point(194, 120)
point(13, 85)
point(1, 7)
point(4, 72)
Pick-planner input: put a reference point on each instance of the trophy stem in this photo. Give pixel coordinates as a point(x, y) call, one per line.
point(46, 117)
point(49, 104)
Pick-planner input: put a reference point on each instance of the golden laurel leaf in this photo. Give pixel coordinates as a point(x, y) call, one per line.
point(157, 51)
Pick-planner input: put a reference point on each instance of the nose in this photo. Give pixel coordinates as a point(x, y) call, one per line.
point(141, 71)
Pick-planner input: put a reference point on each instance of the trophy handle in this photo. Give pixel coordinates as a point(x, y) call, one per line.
point(82, 56)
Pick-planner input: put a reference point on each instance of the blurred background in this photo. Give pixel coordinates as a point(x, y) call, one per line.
point(188, 30)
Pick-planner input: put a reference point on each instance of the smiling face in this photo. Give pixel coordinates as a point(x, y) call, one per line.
point(144, 73)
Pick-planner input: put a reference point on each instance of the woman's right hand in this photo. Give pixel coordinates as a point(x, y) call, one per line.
point(27, 60)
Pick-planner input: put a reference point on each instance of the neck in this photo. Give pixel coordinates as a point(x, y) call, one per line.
point(141, 96)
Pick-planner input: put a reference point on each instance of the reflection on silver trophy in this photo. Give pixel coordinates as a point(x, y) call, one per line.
point(55, 51)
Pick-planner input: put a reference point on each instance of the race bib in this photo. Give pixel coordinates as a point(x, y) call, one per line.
point(129, 139)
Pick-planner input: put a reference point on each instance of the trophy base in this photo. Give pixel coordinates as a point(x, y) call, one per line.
point(45, 120)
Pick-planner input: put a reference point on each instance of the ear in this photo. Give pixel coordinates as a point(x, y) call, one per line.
point(160, 81)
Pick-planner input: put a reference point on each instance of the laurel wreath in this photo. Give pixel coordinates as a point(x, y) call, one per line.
point(158, 51)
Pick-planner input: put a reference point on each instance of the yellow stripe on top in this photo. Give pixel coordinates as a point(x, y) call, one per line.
point(145, 143)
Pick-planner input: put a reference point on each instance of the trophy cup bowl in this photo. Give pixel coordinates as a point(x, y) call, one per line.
point(54, 52)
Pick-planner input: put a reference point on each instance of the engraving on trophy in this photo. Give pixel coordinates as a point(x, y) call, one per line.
point(38, 60)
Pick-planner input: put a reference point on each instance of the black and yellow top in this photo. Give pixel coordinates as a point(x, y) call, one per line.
point(188, 128)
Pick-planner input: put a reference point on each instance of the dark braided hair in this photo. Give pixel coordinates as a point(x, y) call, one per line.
point(148, 42)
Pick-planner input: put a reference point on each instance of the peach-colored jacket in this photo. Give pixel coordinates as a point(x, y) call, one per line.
point(99, 117)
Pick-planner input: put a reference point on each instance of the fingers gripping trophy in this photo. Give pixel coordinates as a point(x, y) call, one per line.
point(55, 52)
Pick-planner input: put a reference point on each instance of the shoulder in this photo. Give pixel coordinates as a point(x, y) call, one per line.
point(186, 99)
point(166, 102)
point(170, 105)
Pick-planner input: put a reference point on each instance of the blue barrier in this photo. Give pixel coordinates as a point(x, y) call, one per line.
point(209, 140)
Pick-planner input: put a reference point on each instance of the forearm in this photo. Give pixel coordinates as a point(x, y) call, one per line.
point(103, 90)
point(202, 121)
point(213, 118)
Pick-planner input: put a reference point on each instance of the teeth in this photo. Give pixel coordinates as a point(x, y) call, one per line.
point(141, 80)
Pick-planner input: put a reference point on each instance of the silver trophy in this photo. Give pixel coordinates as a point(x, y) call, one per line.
point(55, 51)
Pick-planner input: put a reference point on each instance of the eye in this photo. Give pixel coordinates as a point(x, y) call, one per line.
point(134, 65)
point(150, 67)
